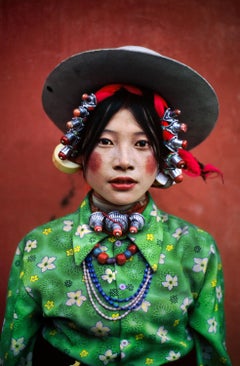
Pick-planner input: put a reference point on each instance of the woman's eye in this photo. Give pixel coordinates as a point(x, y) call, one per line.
point(104, 141)
point(142, 143)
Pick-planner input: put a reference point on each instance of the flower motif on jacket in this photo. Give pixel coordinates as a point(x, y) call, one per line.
point(179, 232)
point(47, 263)
point(30, 244)
point(109, 275)
point(200, 264)
point(213, 325)
point(100, 330)
point(75, 298)
point(83, 230)
point(68, 224)
point(172, 356)
point(107, 357)
point(17, 345)
point(162, 333)
point(170, 282)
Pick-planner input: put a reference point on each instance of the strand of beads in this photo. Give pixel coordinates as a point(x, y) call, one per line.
point(120, 259)
point(113, 304)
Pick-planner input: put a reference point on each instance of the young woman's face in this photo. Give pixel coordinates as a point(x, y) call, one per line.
point(122, 167)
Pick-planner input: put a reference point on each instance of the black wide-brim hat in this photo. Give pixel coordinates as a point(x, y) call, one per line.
point(181, 86)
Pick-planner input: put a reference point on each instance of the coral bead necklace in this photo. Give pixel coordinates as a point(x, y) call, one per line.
point(120, 259)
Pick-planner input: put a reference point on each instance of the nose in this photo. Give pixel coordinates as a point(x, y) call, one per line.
point(123, 160)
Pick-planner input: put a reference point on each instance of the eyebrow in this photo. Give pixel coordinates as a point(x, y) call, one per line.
point(137, 133)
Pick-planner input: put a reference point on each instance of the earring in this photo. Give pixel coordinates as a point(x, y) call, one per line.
point(65, 166)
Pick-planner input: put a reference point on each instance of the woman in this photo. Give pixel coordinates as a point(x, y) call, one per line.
point(119, 282)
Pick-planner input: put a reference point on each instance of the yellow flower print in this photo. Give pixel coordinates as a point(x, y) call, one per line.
point(169, 247)
point(84, 353)
point(53, 332)
point(47, 231)
point(150, 237)
point(176, 322)
point(69, 252)
point(139, 336)
point(34, 278)
point(77, 249)
point(214, 283)
point(183, 344)
point(112, 239)
point(115, 316)
point(83, 203)
point(21, 274)
point(154, 267)
point(149, 361)
point(49, 304)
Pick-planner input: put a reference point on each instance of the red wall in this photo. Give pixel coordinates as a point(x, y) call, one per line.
point(35, 36)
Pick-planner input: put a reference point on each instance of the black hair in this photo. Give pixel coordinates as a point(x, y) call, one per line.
point(142, 108)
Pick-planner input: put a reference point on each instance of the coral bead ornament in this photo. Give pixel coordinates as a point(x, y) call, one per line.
point(120, 259)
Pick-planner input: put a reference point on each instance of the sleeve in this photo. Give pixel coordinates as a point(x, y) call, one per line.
point(22, 317)
point(207, 319)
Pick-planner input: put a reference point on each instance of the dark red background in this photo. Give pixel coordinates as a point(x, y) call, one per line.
point(36, 35)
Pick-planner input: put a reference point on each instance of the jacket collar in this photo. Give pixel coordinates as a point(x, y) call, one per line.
point(148, 240)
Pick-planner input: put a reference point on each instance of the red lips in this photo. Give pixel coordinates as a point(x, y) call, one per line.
point(122, 183)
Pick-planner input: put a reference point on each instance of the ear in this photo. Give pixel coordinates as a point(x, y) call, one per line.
point(65, 166)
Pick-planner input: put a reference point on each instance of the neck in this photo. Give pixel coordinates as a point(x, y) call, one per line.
point(98, 203)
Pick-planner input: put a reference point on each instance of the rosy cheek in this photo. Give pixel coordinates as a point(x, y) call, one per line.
point(151, 165)
point(95, 162)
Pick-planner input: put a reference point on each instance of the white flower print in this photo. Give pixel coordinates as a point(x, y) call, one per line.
point(30, 244)
point(162, 259)
point(107, 357)
point(200, 264)
point(75, 298)
point(17, 345)
point(219, 293)
point(68, 224)
point(124, 343)
point(172, 356)
point(47, 263)
point(144, 306)
point(155, 213)
point(100, 330)
point(180, 231)
point(26, 361)
point(170, 282)
point(185, 304)
point(162, 333)
point(213, 325)
point(212, 249)
point(109, 275)
point(83, 230)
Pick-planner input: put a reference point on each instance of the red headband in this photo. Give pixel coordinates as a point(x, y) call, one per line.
point(108, 90)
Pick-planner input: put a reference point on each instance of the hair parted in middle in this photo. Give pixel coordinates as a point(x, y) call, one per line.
point(143, 110)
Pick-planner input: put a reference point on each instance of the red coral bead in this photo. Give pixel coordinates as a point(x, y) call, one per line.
point(102, 258)
point(121, 259)
point(133, 248)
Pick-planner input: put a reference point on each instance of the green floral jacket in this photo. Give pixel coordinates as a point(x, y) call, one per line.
point(182, 309)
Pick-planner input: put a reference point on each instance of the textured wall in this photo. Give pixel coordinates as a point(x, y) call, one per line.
point(35, 36)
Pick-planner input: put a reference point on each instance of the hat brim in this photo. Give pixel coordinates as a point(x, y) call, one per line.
point(181, 86)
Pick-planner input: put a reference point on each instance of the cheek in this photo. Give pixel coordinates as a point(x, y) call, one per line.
point(150, 165)
point(95, 162)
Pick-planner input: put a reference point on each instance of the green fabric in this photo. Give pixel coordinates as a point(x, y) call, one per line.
point(183, 308)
